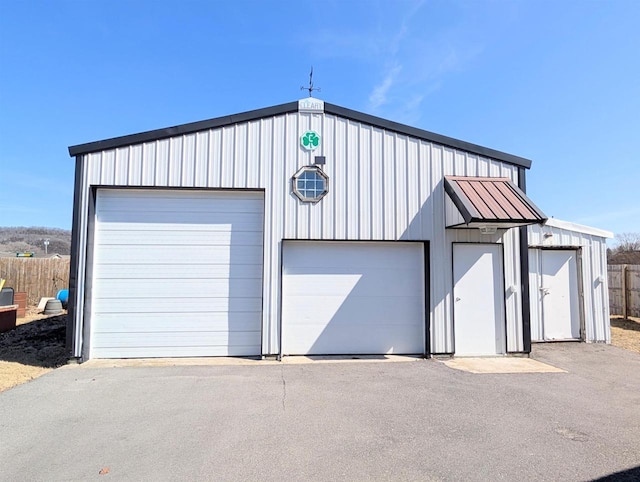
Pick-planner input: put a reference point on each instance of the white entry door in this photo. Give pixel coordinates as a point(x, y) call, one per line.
point(478, 292)
point(343, 298)
point(559, 294)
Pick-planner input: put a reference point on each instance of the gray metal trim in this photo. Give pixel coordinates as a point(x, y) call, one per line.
point(426, 135)
point(88, 277)
point(581, 306)
point(157, 134)
point(427, 298)
point(524, 274)
point(73, 267)
point(293, 107)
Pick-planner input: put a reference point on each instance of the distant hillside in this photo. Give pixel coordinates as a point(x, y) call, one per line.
point(21, 239)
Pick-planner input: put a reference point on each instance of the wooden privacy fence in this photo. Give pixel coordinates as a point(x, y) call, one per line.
point(39, 277)
point(624, 289)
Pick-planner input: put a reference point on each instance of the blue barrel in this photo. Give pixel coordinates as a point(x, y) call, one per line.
point(63, 297)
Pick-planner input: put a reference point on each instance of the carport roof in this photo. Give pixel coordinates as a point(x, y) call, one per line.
point(281, 109)
point(488, 200)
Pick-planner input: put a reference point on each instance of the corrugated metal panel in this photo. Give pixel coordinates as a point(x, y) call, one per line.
point(593, 256)
point(382, 186)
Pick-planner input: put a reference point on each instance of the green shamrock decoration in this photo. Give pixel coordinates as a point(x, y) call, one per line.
point(310, 140)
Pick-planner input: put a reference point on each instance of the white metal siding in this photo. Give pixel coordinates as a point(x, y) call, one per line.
point(383, 186)
point(352, 298)
point(177, 273)
point(593, 257)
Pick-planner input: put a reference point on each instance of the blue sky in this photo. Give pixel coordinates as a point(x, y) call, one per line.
point(555, 82)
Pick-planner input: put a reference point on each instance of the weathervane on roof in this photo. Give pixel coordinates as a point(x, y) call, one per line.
point(311, 88)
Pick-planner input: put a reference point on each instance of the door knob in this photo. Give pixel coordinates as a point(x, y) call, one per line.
point(457, 299)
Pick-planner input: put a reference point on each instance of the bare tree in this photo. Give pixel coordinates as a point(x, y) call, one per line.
point(626, 242)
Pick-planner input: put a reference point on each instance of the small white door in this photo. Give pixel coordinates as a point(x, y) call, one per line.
point(559, 293)
point(478, 293)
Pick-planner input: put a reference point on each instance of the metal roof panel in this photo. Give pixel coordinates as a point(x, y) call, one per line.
point(491, 199)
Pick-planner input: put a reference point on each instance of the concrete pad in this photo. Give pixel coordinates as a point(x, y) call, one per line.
point(238, 361)
point(501, 365)
point(170, 362)
point(299, 359)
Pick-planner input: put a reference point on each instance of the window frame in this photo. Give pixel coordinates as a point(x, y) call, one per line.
point(318, 172)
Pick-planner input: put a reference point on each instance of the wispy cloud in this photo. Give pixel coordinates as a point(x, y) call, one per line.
point(378, 96)
point(407, 54)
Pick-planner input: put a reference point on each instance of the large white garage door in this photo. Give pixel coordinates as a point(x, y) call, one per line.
point(177, 273)
point(352, 298)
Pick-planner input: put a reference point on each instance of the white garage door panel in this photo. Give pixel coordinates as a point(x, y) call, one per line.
point(221, 339)
point(326, 284)
point(123, 253)
point(176, 305)
point(182, 237)
point(171, 322)
point(196, 225)
point(188, 220)
point(181, 203)
point(375, 310)
point(172, 351)
point(353, 298)
point(184, 289)
point(177, 273)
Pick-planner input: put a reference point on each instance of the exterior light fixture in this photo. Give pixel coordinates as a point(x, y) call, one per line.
point(488, 229)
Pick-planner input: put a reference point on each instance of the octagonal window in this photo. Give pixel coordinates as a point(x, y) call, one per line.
point(310, 184)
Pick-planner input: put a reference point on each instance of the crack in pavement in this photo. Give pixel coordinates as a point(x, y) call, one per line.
point(284, 389)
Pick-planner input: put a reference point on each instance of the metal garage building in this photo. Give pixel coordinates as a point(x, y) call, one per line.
point(568, 282)
point(304, 228)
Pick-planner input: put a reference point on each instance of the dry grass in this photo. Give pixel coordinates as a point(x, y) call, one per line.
point(33, 348)
point(626, 333)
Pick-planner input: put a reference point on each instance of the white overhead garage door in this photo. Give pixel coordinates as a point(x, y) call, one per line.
point(353, 298)
point(177, 273)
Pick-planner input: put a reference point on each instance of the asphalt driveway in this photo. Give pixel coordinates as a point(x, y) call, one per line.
point(339, 421)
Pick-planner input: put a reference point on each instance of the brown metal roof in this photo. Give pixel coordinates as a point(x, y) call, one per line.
point(492, 200)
